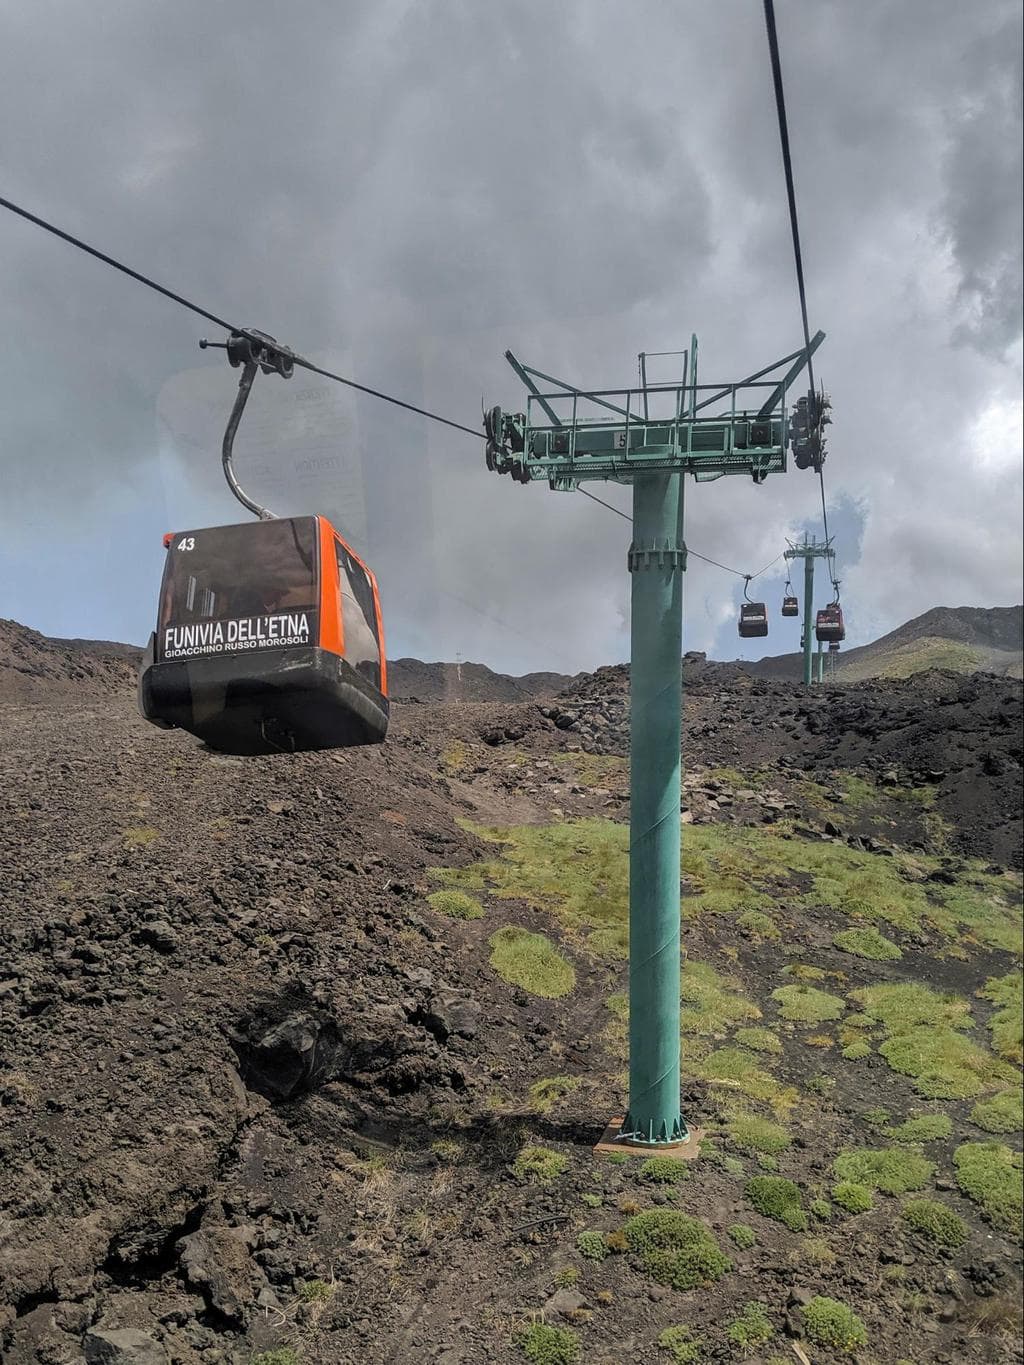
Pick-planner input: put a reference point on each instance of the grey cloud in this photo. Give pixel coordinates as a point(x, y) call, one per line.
point(425, 184)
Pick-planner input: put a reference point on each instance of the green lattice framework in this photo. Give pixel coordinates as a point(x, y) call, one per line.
point(566, 435)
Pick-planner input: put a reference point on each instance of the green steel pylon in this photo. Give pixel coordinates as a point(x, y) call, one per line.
point(809, 550)
point(651, 437)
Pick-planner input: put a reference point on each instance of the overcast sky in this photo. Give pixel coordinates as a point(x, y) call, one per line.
point(409, 189)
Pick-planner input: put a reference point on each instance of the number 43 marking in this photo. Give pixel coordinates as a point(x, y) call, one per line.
point(187, 543)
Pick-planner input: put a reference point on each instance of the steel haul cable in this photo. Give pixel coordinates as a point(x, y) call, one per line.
point(298, 360)
point(220, 322)
point(787, 164)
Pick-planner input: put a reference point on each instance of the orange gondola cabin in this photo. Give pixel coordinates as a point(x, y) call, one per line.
point(828, 626)
point(269, 637)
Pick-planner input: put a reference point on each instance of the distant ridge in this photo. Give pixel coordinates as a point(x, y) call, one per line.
point(408, 678)
point(35, 667)
point(963, 639)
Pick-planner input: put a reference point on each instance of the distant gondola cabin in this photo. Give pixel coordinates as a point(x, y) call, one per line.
point(269, 637)
point(828, 626)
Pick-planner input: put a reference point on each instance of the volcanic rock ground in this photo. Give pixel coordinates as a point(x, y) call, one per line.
point(258, 1096)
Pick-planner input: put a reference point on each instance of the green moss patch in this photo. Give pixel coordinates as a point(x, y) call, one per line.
point(456, 904)
point(682, 1346)
point(808, 1005)
point(576, 870)
point(545, 1094)
point(759, 1040)
point(712, 1003)
point(752, 1134)
point(925, 1041)
point(592, 1246)
point(751, 1329)
point(1003, 1113)
point(539, 1165)
point(925, 1128)
point(532, 962)
point(893, 1170)
point(868, 943)
point(664, 1170)
point(675, 1249)
point(857, 1051)
point(759, 925)
point(777, 1198)
point(829, 1322)
point(990, 1174)
point(1007, 1023)
point(543, 1344)
point(743, 1236)
point(732, 1068)
point(936, 1223)
point(852, 1196)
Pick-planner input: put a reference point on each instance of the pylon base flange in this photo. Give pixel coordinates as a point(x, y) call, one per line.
point(679, 1151)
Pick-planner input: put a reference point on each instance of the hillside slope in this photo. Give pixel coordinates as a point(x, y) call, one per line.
point(963, 639)
point(300, 1066)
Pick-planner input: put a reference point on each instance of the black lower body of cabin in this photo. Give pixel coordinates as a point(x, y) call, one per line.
point(264, 702)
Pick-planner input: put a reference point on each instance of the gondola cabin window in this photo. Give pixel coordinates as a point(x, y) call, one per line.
point(358, 616)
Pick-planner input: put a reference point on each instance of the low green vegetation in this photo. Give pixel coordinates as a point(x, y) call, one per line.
point(682, 1346)
point(737, 869)
point(539, 1165)
point(141, 836)
point(853, 1196)
point(1003, 1113)
point(856, 1051)
point(532, 962)
point(594, 770)
point(742, 1236)
point(807, 1005)
point(990, 1174)
point(283, 1355)
point(936, 1223)
point(577, 870)
point(821, 1209)
point(868, 943)
point(924, 1128)
point(828, 1322)
point(543, 1344)
point(775, 1197)
point(456, 904)
point(664, 1170)
point(759, 925)
point(545, 1093)
point(759, 1040)
point(1007, 1022)
point(675, 1249)
point(732, 1068)
point(924, 1040)
point(592, 1246)
point(752, 1134)
point(751, 1329)
point(712, 1003)
point(892, 1170)
point(315, 1291)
